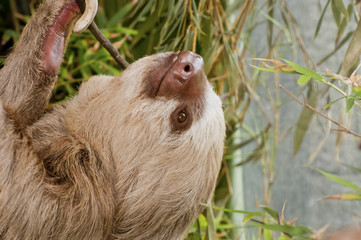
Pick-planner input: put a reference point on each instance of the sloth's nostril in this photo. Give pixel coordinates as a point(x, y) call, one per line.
point(187, 68)
point(185, 75)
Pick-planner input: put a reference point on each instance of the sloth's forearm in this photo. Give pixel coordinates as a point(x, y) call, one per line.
point(31, 69)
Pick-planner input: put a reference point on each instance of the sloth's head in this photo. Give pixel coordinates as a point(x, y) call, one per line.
point(160, 110)
point(159, 128)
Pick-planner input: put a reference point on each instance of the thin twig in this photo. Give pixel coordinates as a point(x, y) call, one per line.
point(107, 45)
point(305, 105)
point(104, 41)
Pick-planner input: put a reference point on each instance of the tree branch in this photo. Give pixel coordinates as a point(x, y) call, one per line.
point(103, 40)
point(305, 105)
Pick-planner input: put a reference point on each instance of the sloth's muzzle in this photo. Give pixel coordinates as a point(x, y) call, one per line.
point(184, 77)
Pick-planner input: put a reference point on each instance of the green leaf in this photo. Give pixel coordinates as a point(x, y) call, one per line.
point(126, 30)
point(344, 22)
point(113, 70)
point(357, 91)
point(341, 29)
point(303, 80)
point(264, 69)
point(304, 71)
point(144, 29)
point(321, 19)
point(234, 211)
point(248, 217)
point(283, 237)
point(303, 122)
point(272, 70)
point(271, 212)
point(9, 34)
point(267, 234)
point(339, 180)
point(119, 15)
point(331, 103)
point(341, 7)
point(336, 13)
point(291, 230)
point(349, 103)
point(353, 52)
point(346, 196)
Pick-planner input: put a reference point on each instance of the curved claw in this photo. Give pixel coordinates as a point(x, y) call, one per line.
point(91, 8)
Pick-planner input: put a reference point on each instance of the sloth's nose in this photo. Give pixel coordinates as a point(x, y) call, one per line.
point(185, 76)
point(187, 66)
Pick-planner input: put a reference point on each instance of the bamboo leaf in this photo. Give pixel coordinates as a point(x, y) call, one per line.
point(113, 70)
point(357, 91)
point(303, 80)
point(353, 52)
point(267, 234)
point(341, 29)
point(331, 103)
point(321, 19)
point(278, 65)
point(346, 196)
point(271, 212)
point(349, 103)
point(304, 71)
point(264, 69)
point(248, 217)
point(233, 210)
point(119, 15)
point(303, 122)
point(341, 7)
point(9, 34)
point(339, 180)
point(343, 24)
point(291, 230)
point(284, 237)
point(336, 13)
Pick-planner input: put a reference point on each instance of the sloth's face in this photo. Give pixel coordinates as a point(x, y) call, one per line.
point(168, 109)
point(177, 82)
point(178, 77)
point(161, 106)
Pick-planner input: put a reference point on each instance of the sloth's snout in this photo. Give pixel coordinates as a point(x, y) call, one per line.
point(187, 67)
point(184, 77)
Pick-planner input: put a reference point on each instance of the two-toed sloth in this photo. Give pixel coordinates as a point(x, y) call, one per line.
point(130, 157)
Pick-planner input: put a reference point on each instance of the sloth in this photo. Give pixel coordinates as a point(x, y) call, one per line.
point(133, 156)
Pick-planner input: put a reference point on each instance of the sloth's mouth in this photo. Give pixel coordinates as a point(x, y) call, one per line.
point(175, 58)
point(184, 75)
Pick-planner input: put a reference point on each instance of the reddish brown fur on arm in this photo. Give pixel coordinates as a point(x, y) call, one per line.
point(31, 70)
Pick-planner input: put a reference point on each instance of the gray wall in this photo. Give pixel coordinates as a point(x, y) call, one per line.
point(302, 187)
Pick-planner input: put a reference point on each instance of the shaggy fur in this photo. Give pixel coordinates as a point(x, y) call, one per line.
point(111, 163)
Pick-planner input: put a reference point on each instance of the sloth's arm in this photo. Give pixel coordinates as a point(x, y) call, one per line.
point(31, 69)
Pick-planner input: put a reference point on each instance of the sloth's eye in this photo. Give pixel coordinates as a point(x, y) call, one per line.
point(181, 119)
point(182, 116)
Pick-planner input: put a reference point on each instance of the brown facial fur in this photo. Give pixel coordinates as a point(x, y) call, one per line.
point(130, 157)
point(345, 234)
